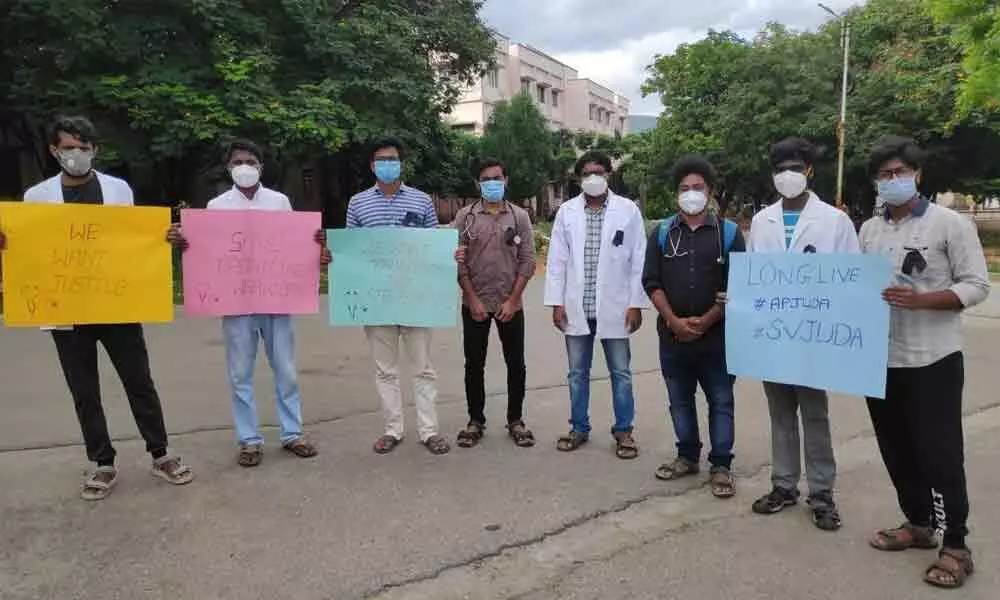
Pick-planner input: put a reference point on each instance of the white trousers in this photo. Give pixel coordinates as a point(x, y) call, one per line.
point(384, 343)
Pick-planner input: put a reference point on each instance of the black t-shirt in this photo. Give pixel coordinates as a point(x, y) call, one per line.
point(88, 193)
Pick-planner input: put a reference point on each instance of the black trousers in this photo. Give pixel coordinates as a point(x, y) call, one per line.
point(126, 348)
point(919, 432)
point(476, 337)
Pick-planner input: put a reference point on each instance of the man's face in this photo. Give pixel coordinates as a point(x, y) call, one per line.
point(693, 182)
point(492, 174)
point(593, 168)
point(242, 157)
point(69, 142)
point(385, 154)
point(894, 169)
point(796, 165)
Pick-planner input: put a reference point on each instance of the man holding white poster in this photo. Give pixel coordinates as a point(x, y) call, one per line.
point(800, 222)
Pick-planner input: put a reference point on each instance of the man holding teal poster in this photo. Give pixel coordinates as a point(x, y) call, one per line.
point(800, 222)
point(391, 203)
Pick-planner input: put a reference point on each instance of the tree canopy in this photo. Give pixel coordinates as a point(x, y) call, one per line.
point(166, 81)
point(518, 135)
point(975, 26)
point(731, 98)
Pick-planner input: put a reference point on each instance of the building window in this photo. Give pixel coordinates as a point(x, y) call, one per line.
point(541, 93)
point(607, 118)
point(592, 107)
point(526, 86)
point(493, 79)
point(555, 98)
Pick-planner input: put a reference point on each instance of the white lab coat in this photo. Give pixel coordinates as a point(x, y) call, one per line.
point(619, 268)
point(824, 227)
point(115, 191)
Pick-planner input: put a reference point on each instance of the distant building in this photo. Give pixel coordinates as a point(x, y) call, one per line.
point(566, 100)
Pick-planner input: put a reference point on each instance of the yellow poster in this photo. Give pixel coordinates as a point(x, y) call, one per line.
point(72, 264)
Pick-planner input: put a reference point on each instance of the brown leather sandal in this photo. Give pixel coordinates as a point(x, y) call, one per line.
point(471, 435)
point(302, 448)
point(250, 455)
point(626, 447)
point(571, 441)
point(904, 537)
point(951, 569)
point(522, 436)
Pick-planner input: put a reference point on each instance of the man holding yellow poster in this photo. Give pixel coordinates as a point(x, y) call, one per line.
point(76, 272)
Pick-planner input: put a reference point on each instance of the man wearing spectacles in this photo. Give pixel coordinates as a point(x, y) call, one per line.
point(940, 271)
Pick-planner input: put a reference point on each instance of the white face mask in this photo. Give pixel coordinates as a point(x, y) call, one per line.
point(245, 176)
point(692, 202)
point(76, 162)
point(594, 185)
point(791, 184)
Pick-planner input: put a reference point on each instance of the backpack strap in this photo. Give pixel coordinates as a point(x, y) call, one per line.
point(663, 230)
point(729, 229)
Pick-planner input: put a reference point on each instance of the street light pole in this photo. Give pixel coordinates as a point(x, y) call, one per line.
point(845, 44)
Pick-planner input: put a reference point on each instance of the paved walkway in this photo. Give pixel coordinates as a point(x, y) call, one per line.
point(492, 522)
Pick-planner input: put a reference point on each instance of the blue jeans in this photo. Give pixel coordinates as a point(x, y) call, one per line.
point(684, 368)
point(580, 350)
point(242, 334)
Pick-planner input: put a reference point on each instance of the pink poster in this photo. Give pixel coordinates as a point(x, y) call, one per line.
point(243, 262)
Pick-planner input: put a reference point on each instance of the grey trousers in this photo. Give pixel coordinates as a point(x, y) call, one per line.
point(784, 403)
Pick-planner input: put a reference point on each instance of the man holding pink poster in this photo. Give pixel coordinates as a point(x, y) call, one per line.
point(254, 296)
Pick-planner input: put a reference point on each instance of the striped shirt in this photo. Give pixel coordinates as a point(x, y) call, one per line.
point(950, 247)
point(591, 256)
point(791, 220)
point(408, 207)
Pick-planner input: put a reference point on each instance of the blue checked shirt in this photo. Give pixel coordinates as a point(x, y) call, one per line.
point(408, 207)
point(591, 254)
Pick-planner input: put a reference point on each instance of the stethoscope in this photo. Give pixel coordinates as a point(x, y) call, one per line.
point(675, 245)
point(511, 235)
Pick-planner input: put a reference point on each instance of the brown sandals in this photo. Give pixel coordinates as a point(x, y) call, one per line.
point(904, 537)
point(626, 448)
point(437, 445)
point(471, 435)
point(951, 569)
point(571, 441)
point(522, 436)
point(250, 455)
point(676, 469)
point(302, 448)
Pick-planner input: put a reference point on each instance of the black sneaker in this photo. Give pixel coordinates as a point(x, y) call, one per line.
point(776, 501)
point(824, 511)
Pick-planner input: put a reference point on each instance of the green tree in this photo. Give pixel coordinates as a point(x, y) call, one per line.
point(518, 135)
point(165, 81)
point(975, 27)
point(731, 98)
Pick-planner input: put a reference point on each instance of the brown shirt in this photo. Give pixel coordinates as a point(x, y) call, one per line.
point(493, 258)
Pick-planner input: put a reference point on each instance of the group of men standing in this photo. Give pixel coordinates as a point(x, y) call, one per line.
point(603, 270)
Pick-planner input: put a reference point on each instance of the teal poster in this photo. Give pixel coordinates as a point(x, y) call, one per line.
point(393, 276)
point(816, 320)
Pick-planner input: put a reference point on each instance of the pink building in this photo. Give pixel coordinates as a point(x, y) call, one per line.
point(566, 100)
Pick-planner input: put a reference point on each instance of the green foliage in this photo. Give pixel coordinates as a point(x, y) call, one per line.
point(518, 135)
point(975, 27)
point(731, 98)
point(167, 81)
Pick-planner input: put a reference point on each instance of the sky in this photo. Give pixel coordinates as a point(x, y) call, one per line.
point(612, 41)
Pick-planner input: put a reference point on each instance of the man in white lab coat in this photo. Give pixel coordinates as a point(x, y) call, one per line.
point(73, 143)
point(800, 222)
point(593, 283)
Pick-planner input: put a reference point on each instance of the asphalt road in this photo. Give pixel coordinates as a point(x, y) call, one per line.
point(492, 522)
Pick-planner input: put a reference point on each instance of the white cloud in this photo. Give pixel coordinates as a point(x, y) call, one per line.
point(613, 43)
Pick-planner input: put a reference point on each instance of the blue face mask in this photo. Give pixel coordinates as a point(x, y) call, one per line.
point(897, 191)
point(492, 191)
point(388, 171)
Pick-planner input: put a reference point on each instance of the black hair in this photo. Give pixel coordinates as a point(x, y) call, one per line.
point(245, 146)
point(388, 141)
point(793, 148)
point(694, 164)
point(487, 164)
point(895, 146)
point(78, 127)
point(593, 156)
